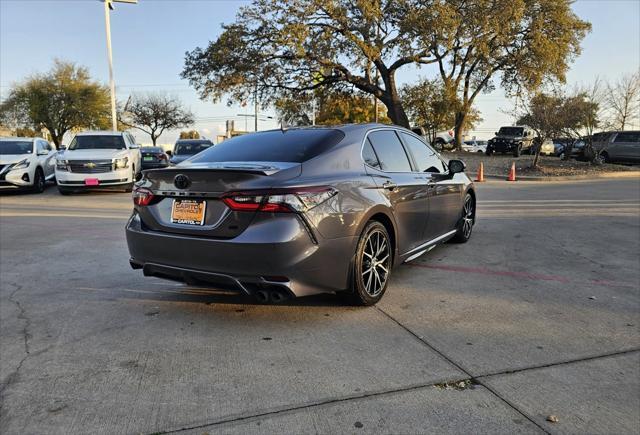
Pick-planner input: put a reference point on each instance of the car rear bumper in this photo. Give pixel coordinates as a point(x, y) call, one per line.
point(154, 165)
point(280, 252)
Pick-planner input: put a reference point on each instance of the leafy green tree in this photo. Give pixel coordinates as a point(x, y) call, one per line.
point(155, 113)
point(61, 100)
point(331, 107)
point(522, 42)
point(431, 106)
point(559, 115)
point(277, 47)
point(191, 134)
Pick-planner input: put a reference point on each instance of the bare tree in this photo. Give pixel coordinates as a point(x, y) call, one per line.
point(155, 113)
point(624, 100)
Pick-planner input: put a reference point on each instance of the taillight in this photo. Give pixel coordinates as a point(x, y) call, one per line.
point(280, 200)
point(142, 196)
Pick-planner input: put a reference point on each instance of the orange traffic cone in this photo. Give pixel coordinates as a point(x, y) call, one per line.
point(512, 173)
point(480, 177)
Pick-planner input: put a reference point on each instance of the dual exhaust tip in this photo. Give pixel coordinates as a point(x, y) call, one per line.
point(273, 295)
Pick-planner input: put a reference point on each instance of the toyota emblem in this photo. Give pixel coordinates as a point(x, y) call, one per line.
point(181, 181)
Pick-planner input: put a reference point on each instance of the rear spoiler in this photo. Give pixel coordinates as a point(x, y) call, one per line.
point(266, 168)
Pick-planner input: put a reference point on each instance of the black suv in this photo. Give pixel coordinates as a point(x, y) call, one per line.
point(514, 140)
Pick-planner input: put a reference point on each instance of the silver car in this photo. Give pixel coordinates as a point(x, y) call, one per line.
point(618, 146)
point(300, 211)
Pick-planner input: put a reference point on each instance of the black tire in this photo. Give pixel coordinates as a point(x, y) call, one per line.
point(604, 157)
point(489, 151)
point(39, 183)
point(64, 191)
point(369, 281)
point(439, 145)
point(465, 226)
point(517, 151)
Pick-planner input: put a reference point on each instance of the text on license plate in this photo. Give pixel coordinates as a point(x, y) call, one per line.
point(147, 159)
point(188, 211)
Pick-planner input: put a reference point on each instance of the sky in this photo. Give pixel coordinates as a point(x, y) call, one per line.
point(150, 40)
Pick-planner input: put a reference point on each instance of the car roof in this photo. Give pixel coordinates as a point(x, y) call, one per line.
point(20, 139)
point(100, 133)
point(193, 141)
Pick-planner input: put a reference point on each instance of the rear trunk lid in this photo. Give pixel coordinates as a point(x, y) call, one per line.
point(205, 184)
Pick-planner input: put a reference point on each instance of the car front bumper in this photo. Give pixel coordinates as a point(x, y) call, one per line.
point(16, 179)
point(78, 180)
point(502, 147)
point(273, 252)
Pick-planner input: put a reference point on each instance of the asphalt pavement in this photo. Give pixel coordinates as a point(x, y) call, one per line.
point(537, 316)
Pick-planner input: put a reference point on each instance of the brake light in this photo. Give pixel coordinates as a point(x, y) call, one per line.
point(279, 200)
point(142, 196)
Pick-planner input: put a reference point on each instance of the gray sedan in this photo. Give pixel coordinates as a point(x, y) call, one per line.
point(300, 211)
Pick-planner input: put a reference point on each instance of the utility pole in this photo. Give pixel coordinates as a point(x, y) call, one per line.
point(108, 6)
point(313, 110)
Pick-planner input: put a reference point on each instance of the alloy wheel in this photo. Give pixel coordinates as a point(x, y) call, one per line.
point(467, 217)
point(376, 262)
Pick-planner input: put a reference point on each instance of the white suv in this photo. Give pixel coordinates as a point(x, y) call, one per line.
point(26, 162)
point(96, 159)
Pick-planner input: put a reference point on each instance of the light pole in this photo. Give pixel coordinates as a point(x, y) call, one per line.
point(108, 5)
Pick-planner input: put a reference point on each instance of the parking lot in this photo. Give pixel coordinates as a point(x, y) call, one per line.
point(537, 316)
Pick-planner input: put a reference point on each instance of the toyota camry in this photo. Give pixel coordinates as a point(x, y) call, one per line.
point(294, 212)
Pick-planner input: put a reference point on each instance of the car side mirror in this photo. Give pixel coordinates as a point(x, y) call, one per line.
point(456, 166)
point(134, 146)
point(43, 153)
point(496, 133)
point(169, 153)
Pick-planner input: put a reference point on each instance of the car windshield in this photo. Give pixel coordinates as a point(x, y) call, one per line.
point(292, 146)
point(97, 142)
point(16, 147)
point(191, 148)
point(511, 131)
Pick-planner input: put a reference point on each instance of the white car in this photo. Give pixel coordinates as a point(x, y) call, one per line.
point(26, 162)
point(98, 159)
point(474, 146)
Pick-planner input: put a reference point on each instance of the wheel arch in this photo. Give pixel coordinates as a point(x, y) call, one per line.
point(382, 215)
point(471, 191)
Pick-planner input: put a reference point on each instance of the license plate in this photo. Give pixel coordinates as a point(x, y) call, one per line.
point(91, 181)
point(148, 159)
point(188, 212)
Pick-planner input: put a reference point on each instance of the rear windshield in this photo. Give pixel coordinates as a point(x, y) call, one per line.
point(191, 148)
point(511, 131)
point(97, 143)
point(16, 147)
point(294, 146)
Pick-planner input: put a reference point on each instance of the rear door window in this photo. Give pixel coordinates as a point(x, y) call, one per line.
point(390, 151)
point(628, 136)
point(426, 159)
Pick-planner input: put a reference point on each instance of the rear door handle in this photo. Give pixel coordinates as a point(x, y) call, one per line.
point(390, 185)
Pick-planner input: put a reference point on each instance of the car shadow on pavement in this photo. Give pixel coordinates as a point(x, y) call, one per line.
point(211, 295)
